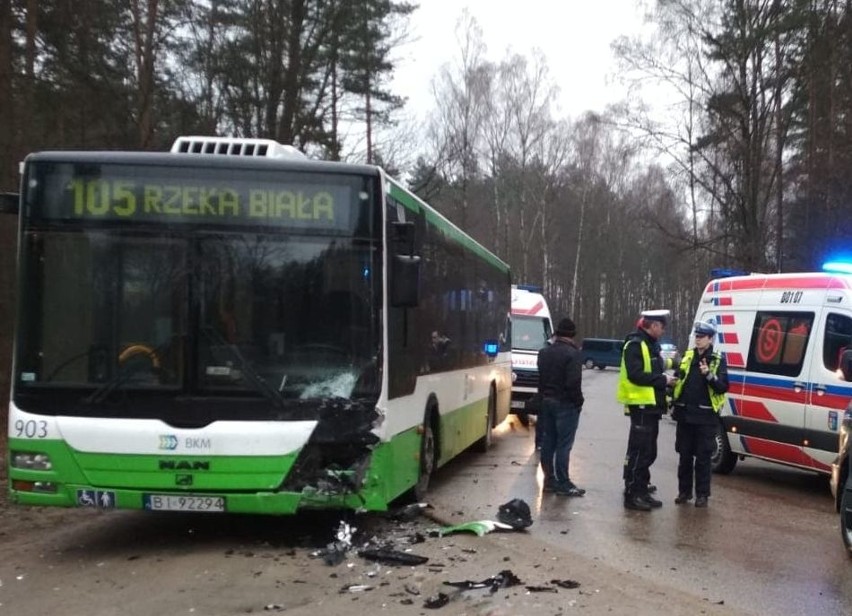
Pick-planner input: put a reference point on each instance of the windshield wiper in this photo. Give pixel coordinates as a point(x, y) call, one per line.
point(258, 382)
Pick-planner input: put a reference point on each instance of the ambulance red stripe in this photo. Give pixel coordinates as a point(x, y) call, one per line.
point(752, 409)
point(777, 451)
point(538, 307)
point(735, 360)
point(755, 283)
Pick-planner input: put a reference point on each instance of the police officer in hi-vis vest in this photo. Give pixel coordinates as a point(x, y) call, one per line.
point(698, 397)
point(642, 390)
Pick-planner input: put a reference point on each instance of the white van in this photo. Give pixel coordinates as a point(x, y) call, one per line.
point(531, 329)
point(782, 336)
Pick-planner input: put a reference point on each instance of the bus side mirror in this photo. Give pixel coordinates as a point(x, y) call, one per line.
point(403, 237)
point(9, 203)
point(405, 281)
point(405, 267)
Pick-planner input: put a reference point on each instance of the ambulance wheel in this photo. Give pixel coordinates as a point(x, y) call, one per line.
point(723, 460)
point(484, 444)
point(589, 364)
point(427, 457)
point(846, 518)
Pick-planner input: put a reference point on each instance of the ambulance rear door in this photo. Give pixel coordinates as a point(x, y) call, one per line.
point(828, 393)
point(776, 386)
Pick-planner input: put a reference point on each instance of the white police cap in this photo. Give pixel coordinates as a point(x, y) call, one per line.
point(657, 315)
point(705, 328)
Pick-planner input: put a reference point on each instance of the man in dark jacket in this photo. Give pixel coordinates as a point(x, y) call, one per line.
point(642, 390)
point(698, 397)
point(560, 373)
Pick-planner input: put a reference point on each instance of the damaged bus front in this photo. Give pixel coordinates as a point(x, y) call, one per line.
point(199, 332)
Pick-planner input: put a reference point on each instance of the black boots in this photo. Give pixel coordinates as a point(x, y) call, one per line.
point(641, 502)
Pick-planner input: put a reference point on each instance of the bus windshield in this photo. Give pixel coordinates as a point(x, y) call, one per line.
point(202, 309)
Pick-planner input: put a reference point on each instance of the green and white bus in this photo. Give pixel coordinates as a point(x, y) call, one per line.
point(231, 326)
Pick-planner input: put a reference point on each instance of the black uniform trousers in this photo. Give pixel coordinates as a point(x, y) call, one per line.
point(694, 443)
point(641, 449)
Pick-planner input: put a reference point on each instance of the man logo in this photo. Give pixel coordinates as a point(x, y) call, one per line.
point(184, 465)
point(183, 480)
point(168, 442)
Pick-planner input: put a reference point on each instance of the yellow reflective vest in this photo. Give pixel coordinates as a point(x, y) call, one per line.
point(629, 393)
point(717, 400)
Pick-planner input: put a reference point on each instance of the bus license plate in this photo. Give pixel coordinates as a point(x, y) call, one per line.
point(183, 502)
point(518, 404)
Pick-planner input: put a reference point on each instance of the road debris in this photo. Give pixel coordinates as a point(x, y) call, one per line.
point(436, 602)
point(356, 588)
point(504, 579)
point(478, 527)
point(335, 552)
point(409, 512)
point(569, 584)
point(389, 556)
point(515, 513)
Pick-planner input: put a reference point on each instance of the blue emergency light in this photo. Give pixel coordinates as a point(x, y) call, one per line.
point(838, 267)
point(491, 347)
point(726, 272)
point(529, 287)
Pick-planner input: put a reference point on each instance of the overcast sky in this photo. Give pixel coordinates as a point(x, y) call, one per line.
point(574, 35)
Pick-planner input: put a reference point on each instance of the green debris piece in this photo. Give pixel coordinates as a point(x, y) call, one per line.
point(479, 527)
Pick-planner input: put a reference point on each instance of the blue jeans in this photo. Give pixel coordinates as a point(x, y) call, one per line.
point(558, 424)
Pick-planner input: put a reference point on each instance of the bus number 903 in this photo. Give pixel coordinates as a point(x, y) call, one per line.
point(30, 428)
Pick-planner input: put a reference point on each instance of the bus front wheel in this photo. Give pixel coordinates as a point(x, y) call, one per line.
point(427, 458)
point(484, 443)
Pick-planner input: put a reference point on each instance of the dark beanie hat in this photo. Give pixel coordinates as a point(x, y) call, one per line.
point(566, 328)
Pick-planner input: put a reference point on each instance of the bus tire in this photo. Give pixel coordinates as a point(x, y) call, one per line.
point(722, 461)
point(427, 457)
point(484, 444)
point(846, 518)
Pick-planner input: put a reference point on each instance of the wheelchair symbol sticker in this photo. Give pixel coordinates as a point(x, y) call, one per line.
point(103, 499)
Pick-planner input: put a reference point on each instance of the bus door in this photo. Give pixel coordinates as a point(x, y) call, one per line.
point(828, 392)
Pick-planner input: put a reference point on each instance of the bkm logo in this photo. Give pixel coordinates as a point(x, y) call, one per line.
point(168, 442)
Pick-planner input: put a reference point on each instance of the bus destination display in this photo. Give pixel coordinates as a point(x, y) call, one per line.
point(247, 201)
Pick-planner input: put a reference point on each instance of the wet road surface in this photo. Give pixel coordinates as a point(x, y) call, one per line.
point(769, 543)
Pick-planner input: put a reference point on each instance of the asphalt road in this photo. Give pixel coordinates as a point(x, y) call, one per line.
point(769, 543)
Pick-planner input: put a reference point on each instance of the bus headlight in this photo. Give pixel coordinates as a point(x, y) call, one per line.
point(31, 461)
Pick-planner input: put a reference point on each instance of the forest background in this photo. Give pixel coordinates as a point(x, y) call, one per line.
point(746, 164)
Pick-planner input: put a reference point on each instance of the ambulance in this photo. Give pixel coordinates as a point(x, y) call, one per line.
point(783, 336)
point(531, 330)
